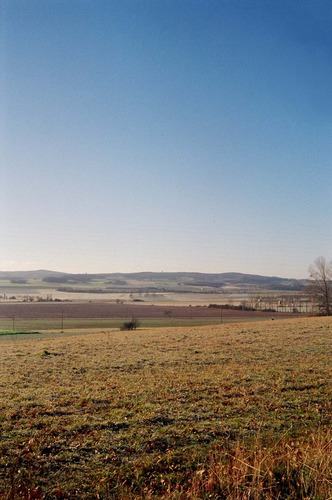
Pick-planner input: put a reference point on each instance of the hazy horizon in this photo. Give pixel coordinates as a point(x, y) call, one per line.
point(166, 135)
point(146, 271)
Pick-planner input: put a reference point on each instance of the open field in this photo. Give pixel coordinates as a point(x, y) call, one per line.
point(157, 298)
point(237, 411)
point(103, 314)
point(157, 288)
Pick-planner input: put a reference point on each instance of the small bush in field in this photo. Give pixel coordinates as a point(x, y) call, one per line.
point(130, 325)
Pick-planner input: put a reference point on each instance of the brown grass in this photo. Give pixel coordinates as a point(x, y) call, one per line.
point(224, 411)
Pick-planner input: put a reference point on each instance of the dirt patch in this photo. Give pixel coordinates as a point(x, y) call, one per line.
point(101, 309)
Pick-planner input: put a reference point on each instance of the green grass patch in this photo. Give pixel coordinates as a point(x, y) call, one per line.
point(102, 323)
point(18, 332)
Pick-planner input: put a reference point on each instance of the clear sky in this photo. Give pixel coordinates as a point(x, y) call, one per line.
point(174, 135)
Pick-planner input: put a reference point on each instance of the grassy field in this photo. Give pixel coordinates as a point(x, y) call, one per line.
point(233, 411)
point(77, 324)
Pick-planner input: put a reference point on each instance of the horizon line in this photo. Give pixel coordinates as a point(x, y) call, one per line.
point(150, 272)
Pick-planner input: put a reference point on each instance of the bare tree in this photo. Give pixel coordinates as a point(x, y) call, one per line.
point(320, 285)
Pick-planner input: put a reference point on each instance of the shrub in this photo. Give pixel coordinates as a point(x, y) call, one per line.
point(130, 325)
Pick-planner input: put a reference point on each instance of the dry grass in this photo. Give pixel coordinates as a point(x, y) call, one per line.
point(225, 411)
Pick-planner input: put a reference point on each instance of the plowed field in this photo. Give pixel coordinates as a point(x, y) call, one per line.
point(90, 310)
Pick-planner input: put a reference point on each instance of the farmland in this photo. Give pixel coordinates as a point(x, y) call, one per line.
point(107, 314)
point(196, 289)
point(235, 410)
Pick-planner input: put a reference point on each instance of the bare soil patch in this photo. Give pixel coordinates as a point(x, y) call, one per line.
point(101, 309)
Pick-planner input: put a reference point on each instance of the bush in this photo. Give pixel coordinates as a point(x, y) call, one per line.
point(130, 325)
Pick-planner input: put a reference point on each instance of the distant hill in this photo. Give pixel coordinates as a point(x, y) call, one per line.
point(26, 275)
point(189, 280)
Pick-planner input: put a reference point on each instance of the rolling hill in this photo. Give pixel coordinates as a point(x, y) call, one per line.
point(169, 280)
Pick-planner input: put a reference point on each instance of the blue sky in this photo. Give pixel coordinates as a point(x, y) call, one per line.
point(175, 135)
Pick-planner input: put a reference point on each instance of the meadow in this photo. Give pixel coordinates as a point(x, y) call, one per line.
point(227, 411)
